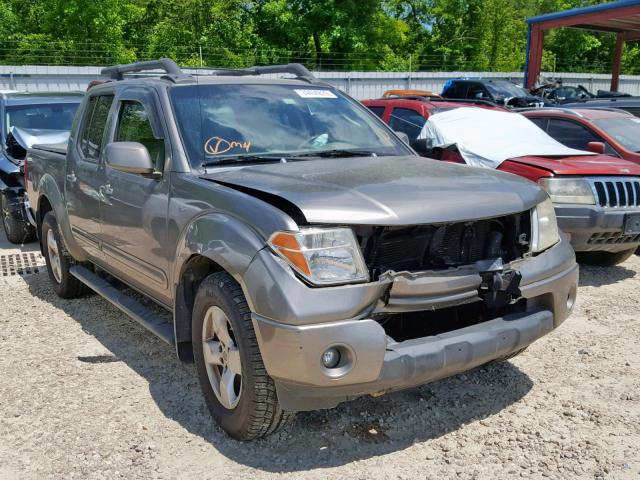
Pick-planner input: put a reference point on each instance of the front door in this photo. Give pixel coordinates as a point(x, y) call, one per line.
point(85, 174)
point(134, 218)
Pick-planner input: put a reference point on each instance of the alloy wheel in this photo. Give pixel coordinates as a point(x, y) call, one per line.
point(222, 358)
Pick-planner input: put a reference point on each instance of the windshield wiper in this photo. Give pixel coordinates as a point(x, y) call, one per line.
point(246, 159)
point(337, 153)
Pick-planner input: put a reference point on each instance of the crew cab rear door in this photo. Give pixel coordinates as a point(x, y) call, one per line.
point(85, 174)
point(134, 219)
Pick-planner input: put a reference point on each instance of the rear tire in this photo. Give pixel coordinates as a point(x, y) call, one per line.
point(16, 229)
point(239, 393)
point(58, 260)
point(604, 259)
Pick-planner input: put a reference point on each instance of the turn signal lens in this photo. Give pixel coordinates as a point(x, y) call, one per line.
point(322, 256)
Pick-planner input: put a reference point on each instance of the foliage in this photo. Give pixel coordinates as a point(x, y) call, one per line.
point(465, 35)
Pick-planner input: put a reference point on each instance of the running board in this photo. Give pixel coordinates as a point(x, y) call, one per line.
point(128, 305)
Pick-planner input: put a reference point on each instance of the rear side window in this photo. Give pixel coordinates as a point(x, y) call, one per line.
point(379, 111)
point(93, 129)
point(571, 134)
point(541, 122)
point(407, 121)
point(134, 126)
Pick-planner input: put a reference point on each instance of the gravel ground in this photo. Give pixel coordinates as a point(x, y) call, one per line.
point(87, 393)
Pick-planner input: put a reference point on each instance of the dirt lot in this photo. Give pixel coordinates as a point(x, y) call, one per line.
point(87, 393)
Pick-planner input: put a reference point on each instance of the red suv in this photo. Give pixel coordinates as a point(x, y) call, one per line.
point(408, 114)
point(611, 131)
point(596, 197)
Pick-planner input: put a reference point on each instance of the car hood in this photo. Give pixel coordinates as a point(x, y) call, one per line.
point(592, 165)
point(384, 190)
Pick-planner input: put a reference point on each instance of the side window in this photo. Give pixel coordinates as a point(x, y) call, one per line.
point(571, 134)
point(134, 126)
point(540, 122)
point(93, 128)
point(379, 111)
point(477, 92)
point(407, 121)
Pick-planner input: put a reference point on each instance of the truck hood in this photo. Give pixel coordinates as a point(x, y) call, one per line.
point(384, 190)
point(593, 165)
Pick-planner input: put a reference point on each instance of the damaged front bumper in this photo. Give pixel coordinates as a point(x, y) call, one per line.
point(295, 324)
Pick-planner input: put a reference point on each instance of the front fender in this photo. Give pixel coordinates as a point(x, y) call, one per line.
point(48, 187)
point(224, 239)
point(7, 166)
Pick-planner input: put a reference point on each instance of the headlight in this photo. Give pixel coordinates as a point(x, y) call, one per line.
point(322, 256)
point(545, 227)
point(568, 190)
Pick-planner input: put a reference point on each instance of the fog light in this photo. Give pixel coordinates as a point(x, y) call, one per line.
point(331, 358)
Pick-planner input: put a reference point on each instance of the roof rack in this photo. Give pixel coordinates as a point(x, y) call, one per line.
point(569, 111)
point(170, 67)
point(297, 69)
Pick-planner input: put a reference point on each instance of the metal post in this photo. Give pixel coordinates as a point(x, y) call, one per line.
point(410, 70)
point(201, 63)
point(617, 60)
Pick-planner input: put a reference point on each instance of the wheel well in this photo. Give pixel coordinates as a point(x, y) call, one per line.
point(44, 206)
point(194, 271)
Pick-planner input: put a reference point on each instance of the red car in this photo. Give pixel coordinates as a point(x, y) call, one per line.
point(408, 114)
point(596, 197)
point(611, 131)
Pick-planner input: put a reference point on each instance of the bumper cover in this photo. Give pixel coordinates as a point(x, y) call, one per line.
point(594, 228)
point(292, 350)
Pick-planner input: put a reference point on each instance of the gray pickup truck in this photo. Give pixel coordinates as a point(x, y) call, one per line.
point(307, 254)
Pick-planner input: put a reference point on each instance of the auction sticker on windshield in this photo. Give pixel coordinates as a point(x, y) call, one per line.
point(308, 93)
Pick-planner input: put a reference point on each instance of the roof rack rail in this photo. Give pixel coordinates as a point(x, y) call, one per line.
point(170, 67)
point(297, 69)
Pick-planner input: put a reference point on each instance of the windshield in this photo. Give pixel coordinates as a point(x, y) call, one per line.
point(506, 89)
point(222, 121)
point(51, 116)
point(625, 130)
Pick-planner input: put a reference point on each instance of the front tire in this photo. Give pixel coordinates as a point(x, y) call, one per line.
point(238, 391)
point(604, 259)
point(16, 229)
point(58, 260)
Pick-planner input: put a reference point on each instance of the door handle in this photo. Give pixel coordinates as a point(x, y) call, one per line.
point(71, 177)
point(106, 189)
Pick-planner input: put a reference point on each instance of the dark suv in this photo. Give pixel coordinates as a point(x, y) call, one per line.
point(501, 92)
point(25, 119)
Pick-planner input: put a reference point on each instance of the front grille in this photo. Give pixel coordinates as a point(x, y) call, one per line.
point(429, 247)
point(611, 238)
point(616, 192)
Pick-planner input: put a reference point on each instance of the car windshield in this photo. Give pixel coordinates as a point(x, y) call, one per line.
point(50, 116)
point(626, 130)
point(222, 122)
point(506, 89)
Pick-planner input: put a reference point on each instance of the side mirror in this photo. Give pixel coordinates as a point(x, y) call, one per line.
point(423, 145)
point(596, 147)
point(129, 157)
point(403, 136)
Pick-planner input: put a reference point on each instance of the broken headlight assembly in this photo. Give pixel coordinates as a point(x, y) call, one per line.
point(322, 256)
point(545, 232)
point(568, 190)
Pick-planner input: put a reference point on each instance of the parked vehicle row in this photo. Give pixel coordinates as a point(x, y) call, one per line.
point(596, 196)
point(307, 254)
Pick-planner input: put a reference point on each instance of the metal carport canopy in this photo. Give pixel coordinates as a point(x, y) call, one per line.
point(621, 17)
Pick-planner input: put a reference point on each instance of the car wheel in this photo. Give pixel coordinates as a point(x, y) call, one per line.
point(604, 259)
point(58, 260)
point(16, 230)
point(239, 394)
